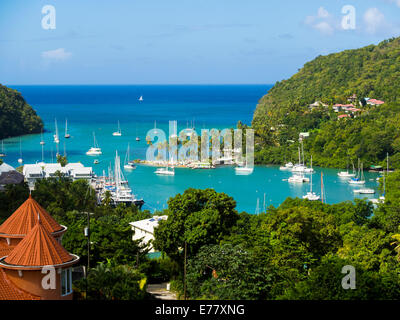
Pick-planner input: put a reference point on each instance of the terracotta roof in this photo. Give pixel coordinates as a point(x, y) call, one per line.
point(39, 248)
point(9, 291)
point(24, 219)
point(5, 249)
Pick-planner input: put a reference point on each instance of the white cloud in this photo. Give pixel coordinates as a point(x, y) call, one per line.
point(374, 21)
point(396, 2)
point(324, 22)
point(323, 13)
point(56, 55)
point(324, 27)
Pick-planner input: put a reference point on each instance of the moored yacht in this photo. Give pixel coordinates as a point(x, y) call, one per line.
point(165, 171)
point(95, 150)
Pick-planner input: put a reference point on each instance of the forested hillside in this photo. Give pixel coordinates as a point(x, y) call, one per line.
point(16, 116)
point(370, 133)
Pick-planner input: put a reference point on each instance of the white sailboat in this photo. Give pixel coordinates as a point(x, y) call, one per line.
point(360, 177)
point(165, 171)
point(118, 133)
point(67, 135)
point(347, 174)
point(128, 165)
point(287, 166)
point(95, 150)
point(140, 98)
point(365, 191)
point(137, 137)
point(312, 196)
point(56, 137)
point(20, 160)
point(298, 178)
point(2, 153)
point(41, 139)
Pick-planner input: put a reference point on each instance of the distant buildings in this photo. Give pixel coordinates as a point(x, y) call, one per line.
point(374, 102)
point(33, 263)
point(41, 170)
point(144, 230)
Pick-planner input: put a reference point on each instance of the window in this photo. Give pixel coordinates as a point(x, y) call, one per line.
point(66, 281)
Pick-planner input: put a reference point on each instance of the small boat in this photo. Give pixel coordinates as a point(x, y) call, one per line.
point(41, 139)
point(298, 179)
point(20, 160)
point(117, 133)
point(243, 170)
point(2, 153)
point(95, 150)
point(56, 138)
point(359, 179)
point(67, 135)
point(140, 98)
point(96, 161)
point(165, 171)
point(137, 139)
point(365, 191)
point(311, 196)
point(128, 164)
point(347, 174)
point(287, 166)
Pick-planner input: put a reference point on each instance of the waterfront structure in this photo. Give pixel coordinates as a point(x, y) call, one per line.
point(30, 243)
point(144, 230)
point(41, 170)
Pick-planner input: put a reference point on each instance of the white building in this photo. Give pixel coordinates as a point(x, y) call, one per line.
point(144, 230)
point(41, 170)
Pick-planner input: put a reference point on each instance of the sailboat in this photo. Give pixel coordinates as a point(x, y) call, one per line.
point(137, 137)
point(118, 133)
point(312, 196)
point(56, 138)
point(2, 153)
point(360, 177)
point(347, 174)
point(244, 170)
point(309, 170)
point(140, 98)
point(20, 161)
point(165, 171)
point(41, 139)
point(128, 165)
point(95, 150)
point(67, 135)
point(299, 167)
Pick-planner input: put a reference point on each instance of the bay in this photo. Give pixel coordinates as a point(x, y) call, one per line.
point(98, 109)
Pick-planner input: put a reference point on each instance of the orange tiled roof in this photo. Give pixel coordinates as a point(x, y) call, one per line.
point(9, 291)
point(24, 219)
point(5, 249)
point(38, 248)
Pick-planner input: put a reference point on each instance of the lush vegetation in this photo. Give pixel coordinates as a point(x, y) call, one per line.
point(284, 112)
point(295, 251)
point(16, 116)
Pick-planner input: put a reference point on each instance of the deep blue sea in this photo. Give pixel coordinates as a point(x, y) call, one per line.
point(99, 108)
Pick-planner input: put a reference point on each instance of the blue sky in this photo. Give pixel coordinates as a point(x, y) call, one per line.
point(180, 41)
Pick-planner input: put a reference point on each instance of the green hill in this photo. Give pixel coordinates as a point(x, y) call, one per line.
point(16, 116)
point(372, 71)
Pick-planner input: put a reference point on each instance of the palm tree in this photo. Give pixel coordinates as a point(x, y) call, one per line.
point(397, 244)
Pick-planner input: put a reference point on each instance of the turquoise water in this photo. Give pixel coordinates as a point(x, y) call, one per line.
point(99, 108)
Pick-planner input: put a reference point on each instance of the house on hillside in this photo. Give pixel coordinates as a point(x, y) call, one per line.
point(374, 102)
point(344, 116)
point(144, 230)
